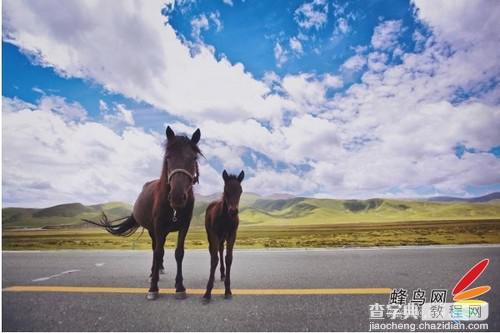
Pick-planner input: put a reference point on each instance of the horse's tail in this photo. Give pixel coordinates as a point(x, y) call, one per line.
point(125, 228)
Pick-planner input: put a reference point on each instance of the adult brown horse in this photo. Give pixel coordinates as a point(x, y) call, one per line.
point(221, 223)
point(165, 205)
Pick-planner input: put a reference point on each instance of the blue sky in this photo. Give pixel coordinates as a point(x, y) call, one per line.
point(318, 98)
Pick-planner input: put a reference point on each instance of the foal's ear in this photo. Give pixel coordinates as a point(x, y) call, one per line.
point(170, 133)
point(241, 176)
point(196, 136)
point(225, 176)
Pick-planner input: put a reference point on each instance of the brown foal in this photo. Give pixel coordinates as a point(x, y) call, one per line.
point(221, 223)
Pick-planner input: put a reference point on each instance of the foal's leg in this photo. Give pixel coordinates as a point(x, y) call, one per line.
point(213, 248)
point(221, 256)
point(229, 261)
point(180, 291)
point(157, 258)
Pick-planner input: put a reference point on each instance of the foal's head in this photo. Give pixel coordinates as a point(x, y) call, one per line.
point(232, 191)
point(181, 166)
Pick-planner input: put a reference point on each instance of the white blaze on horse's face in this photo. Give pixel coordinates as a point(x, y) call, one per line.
point(181, 158)
point(232, 191)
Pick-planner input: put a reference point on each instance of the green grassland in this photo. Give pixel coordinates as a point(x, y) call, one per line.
point(268, 222)
point(321, 235)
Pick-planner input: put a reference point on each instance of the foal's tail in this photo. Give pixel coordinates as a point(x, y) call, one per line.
point(125, 228)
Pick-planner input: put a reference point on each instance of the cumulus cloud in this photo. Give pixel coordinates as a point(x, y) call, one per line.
point(385, 35)
point(354, 63)
point(306, 133)
point(59, 105)
point(461, 22)
point(162, 72)
point(49, 159)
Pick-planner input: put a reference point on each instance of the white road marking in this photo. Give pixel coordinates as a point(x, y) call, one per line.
point(99, 264)
point(55, 275)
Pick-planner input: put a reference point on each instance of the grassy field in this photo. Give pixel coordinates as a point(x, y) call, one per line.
point(276, 236)
point(271, 222)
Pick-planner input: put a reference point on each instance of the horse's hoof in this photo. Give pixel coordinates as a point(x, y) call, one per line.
point(228, 296)
point(180, 295)
point(205, 300)
point(162, 271)
point(152, 295)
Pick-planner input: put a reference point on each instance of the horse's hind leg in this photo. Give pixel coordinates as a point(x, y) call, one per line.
point(221, 256)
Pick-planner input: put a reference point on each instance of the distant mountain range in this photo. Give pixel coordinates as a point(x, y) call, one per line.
point(484, 198)
point(278, 209)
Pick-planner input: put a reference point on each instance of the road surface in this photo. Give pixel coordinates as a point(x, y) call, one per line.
point(275, 290)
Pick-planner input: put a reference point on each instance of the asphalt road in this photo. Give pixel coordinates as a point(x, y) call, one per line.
point(411, 268)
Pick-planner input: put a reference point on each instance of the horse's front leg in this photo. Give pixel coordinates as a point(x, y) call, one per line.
point(221, 255)
point(213, 248)
point(158, 252)
point(162, 269)
point(180, 290)
point(229, 262)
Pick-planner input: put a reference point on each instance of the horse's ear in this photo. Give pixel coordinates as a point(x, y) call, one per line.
point(225, 176)
point(241, 176)
point(196, 136)
point(170, 133)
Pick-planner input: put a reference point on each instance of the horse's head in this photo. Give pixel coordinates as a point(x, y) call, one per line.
point(232, 191)
point(181, 166)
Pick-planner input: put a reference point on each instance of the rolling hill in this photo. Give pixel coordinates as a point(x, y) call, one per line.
point(277, 210)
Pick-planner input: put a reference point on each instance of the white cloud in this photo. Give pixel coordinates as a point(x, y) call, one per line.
point(161, 71)
point(377, 61)
point(228, 2)
point(198, 24)
point(296, 45)
point(269, 181)
point(49, 159)
point(215, 17)
point(308, 91)
point(354, 63)
point(117, 116)
point(280, 54)
point(398, 127)
point(312, 14)
point(342, 25)
point(69, 111)
point(385, 35)
point(461, 22)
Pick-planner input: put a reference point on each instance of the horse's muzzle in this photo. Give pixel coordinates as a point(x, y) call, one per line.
point(177, 201)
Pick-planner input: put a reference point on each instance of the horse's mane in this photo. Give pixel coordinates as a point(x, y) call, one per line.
point(232, 177)
point(179, 141)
